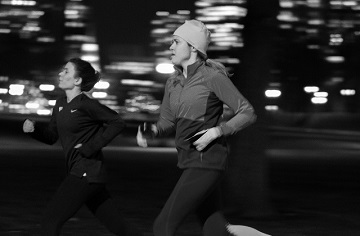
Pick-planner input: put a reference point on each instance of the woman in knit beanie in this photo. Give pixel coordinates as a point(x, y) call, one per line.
point(192, 107)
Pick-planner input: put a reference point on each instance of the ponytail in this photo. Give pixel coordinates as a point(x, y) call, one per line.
point(218, 66)
point(215, 65)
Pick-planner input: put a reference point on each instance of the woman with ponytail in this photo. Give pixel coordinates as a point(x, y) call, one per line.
point(84, 126)
point(192, 107)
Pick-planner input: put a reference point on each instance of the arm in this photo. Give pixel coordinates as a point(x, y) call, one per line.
point(114, 125)
point(46, 134)
point(166, 122)
point(244, 112)
point(164, 125)
point(230, 95)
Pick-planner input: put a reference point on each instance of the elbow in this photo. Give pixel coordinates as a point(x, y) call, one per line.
point(253, 118)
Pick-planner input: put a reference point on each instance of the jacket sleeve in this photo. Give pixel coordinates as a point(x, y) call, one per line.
point(226, 91)
point(47, 133)
point(166, 121)
point(113, 126)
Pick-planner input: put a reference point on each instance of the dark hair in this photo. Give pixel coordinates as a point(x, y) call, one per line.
point(87, 73)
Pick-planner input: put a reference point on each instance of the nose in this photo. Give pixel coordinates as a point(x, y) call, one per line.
point(171, 46)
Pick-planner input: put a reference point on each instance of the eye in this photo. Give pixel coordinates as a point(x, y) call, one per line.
point(62, 70)
point(174, 41)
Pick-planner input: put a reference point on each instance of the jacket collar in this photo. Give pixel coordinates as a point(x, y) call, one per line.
point(191, 69)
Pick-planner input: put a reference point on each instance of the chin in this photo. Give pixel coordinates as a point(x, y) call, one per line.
point(174, 63)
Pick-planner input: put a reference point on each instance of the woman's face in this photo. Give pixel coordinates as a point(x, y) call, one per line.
point(180, 51)
point(67, 77)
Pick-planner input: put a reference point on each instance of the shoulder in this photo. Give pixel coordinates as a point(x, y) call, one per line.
point(216, 80)
point(87, 99)
point(60, 101)
point(172, 80)
point(213, 75)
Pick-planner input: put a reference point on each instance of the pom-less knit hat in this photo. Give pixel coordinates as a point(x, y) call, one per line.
point(195, 33)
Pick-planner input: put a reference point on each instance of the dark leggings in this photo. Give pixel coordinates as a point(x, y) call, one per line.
point(197, 191)
point(72, 194)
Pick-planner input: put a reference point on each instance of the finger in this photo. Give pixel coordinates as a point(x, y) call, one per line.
point(144, 126)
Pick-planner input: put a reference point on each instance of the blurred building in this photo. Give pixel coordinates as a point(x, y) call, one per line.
point(315, 66)
point(317, 62)
point(224, 18)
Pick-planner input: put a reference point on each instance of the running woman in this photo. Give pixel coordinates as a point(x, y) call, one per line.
point(84, 126)
point(192, 106)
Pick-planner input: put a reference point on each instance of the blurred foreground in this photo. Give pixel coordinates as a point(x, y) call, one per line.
point(313, 177)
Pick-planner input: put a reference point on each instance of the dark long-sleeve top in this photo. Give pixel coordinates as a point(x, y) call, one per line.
point(196, 103)
point(82, 121)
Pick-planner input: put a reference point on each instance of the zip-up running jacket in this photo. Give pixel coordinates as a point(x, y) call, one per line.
point(81, 121)
point(196, 103)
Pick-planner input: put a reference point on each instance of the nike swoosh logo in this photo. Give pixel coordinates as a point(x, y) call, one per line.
point(72, 111)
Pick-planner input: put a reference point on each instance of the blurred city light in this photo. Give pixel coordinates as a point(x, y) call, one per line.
point(90, 47)
point(271, 107)
point(319, 100)
point(52, 102)
point(286, 4)
point(137, 68)
point(347, 92)
point(336, 39)
point(311, 89)
point(18, 2)
point(335, 59)
point(32, 105)
point(142, 102)
point(46, 87)
point(137, 82)
point(5, 31)
point(162, 13)
point(99, 94)
point(16, 89)
point(272, 93)
point(43, 112)
point(90, 58)
point(321, 94)
point(102, 85)
point(46, 39)
point(3, 91)
point(165, 68)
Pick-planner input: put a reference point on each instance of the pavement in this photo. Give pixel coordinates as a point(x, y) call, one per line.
point(313, 178)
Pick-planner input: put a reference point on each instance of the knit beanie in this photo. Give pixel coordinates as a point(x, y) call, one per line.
point(195, 33)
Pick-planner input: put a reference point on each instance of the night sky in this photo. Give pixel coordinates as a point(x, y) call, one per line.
point(127, 22)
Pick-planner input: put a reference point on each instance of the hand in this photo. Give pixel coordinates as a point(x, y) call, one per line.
point(140, 139)
point(207, 138)
point(148, 130)
point(28, 126)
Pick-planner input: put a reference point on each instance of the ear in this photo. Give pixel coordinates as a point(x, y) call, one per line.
point(78, 81)
point(193, 49)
